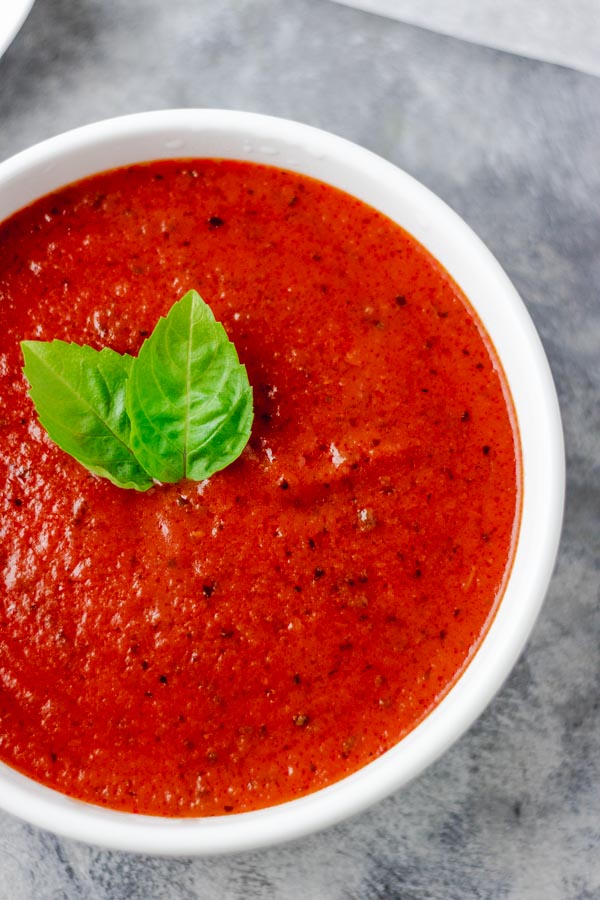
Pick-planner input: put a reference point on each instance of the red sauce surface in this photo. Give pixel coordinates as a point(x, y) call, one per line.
point(223, 646)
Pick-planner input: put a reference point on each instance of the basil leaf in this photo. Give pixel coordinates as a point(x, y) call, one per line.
point(79, 395)
point(188, 396)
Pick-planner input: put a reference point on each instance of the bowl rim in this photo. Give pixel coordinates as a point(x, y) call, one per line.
point(72, 155)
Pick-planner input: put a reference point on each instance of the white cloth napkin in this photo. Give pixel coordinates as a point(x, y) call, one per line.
point(566, 32)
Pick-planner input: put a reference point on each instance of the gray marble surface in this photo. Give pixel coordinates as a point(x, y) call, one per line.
point(513, 810)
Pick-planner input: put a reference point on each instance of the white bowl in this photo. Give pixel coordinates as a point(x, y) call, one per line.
point(214, 133)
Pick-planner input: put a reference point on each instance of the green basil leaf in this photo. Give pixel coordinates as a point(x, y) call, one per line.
point(79, 395)
point(188, 396)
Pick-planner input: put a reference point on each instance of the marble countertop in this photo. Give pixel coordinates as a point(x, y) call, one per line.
point(513, 809)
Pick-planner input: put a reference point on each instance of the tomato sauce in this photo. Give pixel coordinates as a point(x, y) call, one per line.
point(223, 646)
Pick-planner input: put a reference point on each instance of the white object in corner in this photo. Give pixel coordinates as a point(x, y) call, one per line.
point(566, 32)
point(12, 15)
